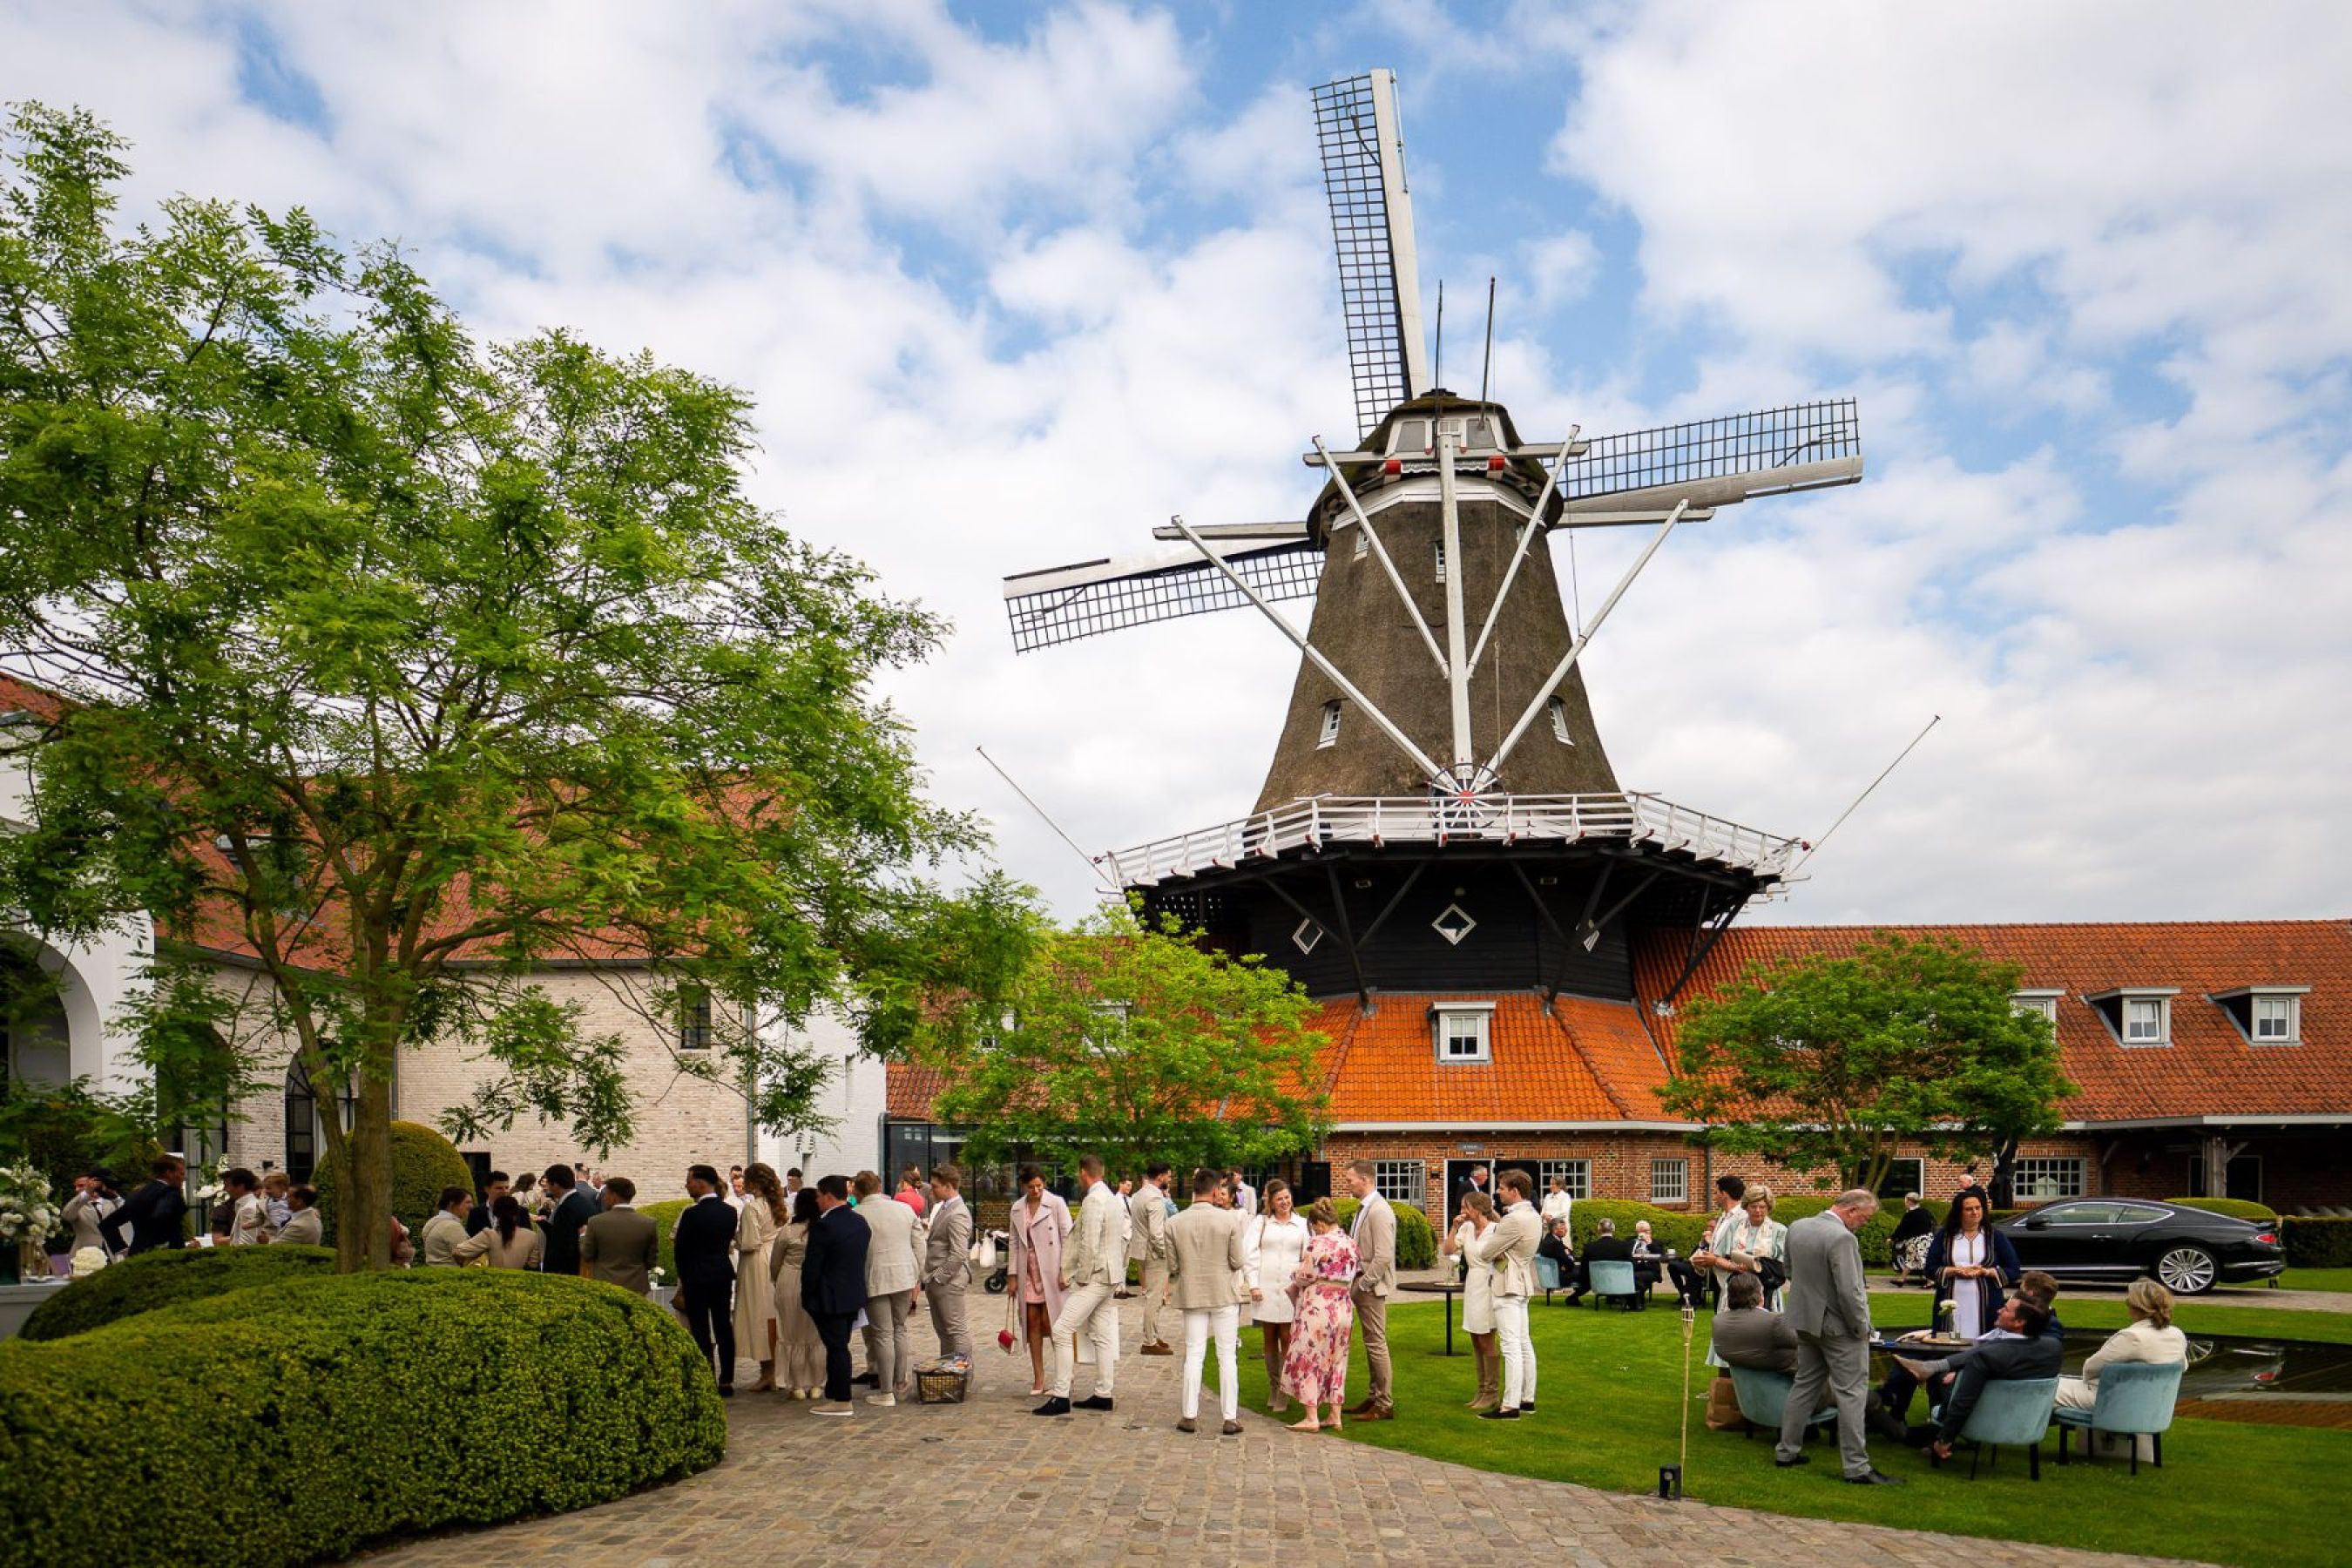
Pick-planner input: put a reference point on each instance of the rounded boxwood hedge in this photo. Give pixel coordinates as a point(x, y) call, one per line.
point(2236, 1208)
point(1416, 1240)
point(156, 1280)
point(2318, 1243)
point(422, 1163)
point(665, 1218)
point(300, 1421)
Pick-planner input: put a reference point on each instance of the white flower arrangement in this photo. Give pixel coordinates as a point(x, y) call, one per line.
point(29, 1212)
point(87, 1261)
point(215, 1185)
point(658, 1274)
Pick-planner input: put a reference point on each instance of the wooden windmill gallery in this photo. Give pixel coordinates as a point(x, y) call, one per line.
point(1440, 834)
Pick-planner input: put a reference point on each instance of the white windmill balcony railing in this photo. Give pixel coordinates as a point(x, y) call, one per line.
point(1379, 820)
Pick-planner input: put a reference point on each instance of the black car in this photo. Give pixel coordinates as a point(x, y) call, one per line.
point(2187, 1250)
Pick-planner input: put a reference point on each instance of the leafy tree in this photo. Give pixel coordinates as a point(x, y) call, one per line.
point(1833, 1060)
point(1135, 1042)
point(403, 667)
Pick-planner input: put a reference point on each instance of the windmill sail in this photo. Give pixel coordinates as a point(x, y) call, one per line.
point(1063, 604)
point(1643, 474)
point(1356, 128)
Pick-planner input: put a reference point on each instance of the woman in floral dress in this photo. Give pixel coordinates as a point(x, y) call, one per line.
point(1317, 1371)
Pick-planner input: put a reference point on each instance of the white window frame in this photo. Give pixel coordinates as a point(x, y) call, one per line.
point(2039, 1001)
point(1401, 1181)
point(2143, 1020)
point(2047, 1178)
point(1559, 708)
point(1576, 1174)
point(1440, 548)
point(1448, 1017)
point(2288, 1018)
point(1329, 735)
point(1363, 542)
point(2126, 998)
point(1662, 1171)
point(1105, 1041)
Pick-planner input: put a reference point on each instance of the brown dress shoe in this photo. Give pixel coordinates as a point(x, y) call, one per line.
point(1158, 1347)
point(1232, 1430)
point(1362, 1407)
point(1486, 1402)
point(1377, 1413)
point(1186, 1424)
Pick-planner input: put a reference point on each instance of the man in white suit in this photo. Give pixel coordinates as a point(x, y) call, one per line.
point(1507, 1250)
point(1206, 1241)
point(1093, 1263)
point(894, 1262)
point(1147, 1244)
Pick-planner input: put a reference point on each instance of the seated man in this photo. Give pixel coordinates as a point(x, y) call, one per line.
point(1606, 1247)
point(1748, 1335)
point(1555, 1247)
point(2026, 1350)
point(1890, 1413)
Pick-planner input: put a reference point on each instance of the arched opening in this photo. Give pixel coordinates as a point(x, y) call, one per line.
point(306, 1130)
point(36, 1038)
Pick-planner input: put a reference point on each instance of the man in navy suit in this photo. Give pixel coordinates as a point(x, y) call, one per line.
point(832, 1285)
point(705, 1245)
point(152, 1214)
point(574, 1208)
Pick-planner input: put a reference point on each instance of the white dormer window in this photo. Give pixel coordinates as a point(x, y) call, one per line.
point(1330, 732)
point(1463, 1033)
point(2138, 1014)
point(1558, 707)
point(2265, 1015)
point(2274, 1018)
point(2040, 1004)
point(1363, 542)
point(1441, 560)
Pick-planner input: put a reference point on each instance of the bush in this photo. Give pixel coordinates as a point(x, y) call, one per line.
point(303, 1420)
point(1416, 1242)
point(2318, 1243)
point(1685, 1233)
point(1876, 1237)
point(665, 1218)
point(155, 1279)
point(423, 1163)
point(2236, 1208)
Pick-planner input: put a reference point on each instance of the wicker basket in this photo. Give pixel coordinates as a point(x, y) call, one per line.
point(945, 1385)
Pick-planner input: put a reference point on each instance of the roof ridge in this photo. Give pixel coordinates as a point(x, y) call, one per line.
point(1341, 1046)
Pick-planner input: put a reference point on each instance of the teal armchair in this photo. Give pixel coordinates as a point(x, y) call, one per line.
point(2010, 1410)
point(1612, 1280)
point(1764, 1398)
point(2135, 1399)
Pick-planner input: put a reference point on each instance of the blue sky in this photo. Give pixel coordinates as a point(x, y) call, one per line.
point(1012, 283)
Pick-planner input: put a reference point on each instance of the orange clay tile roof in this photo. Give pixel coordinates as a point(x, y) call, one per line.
point(2207, 1070)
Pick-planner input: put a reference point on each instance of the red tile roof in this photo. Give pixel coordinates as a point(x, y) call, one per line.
point(2207, 1070)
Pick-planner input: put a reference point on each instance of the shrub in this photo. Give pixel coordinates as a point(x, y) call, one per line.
point(1685, 1233)
point(2236, 1208)
point(1416, 1242)
point(1876, 1238)
point(423, 1163)
point(2318, 1243)
point(665, 1218)
point(155, 1279)
point(302, 1420)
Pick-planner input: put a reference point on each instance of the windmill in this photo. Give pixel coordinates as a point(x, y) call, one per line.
point(1438, 715)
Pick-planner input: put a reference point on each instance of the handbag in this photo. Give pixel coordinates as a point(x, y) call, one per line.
point(1722, 1404)
point(1006, 1338)
point(1772, 1274)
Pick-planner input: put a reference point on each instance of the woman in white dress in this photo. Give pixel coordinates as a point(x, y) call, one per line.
point(1272, 1244)
point(1476, 1213)
point(763, 1214)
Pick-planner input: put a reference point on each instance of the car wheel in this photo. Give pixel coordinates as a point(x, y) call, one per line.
point(2186, 1270)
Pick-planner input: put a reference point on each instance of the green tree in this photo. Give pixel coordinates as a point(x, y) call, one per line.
point(1135, 1042)
point(1833, 1060)
point(404, 667)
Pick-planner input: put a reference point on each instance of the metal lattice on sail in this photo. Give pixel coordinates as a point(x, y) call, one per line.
point(1372, 226)
point(1063, 604)
point(1715, 461)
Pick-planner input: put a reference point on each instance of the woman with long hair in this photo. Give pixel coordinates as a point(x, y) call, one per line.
point(1971, 1263)
point(1477, 1213)
point(1272, 1244)
point(764, 1213)
point(800, 1353)
point(507, 1242)
point(1039, 1222)
point(1317, 1370)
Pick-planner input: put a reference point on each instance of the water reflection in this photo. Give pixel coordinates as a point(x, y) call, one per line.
point(2239, 1369)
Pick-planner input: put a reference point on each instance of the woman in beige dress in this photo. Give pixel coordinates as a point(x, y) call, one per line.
point(1476, 1213)
point(800, 1354)
point(756, 1224)
point(506, 1243)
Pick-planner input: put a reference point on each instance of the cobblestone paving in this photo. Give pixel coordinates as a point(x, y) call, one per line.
point(987, 1483)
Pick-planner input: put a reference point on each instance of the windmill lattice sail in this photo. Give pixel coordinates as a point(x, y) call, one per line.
point(1063, 604)
point(1356, 127)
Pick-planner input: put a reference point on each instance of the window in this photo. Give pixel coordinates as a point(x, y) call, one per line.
point(1110, 1029)
point(1440, 548)
point(2274, 1018)
point(694, 1028)
point(1478, 434)
point(1331, 735)
point(2139, 1015)
point(1401, 1181)
point(1412, 436)
point(2265, 1015)
point(1905, 1175)
point(1462, 1034)
point(2040, 1179)
point(1363, 542)
point(2142, 1018)
point(2039, 1003)
point(1670, 1181)
point(1558, 706)
point(1576, 1174)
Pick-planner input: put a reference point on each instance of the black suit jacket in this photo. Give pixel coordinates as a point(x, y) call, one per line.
point(706, 1245)
point(562, 1231)
point(1608, 1250)
point(151, 1215)
point(1987, 1360)
point(833, 1275)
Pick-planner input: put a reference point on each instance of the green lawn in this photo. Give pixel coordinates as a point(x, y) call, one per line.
point(1608, 1393)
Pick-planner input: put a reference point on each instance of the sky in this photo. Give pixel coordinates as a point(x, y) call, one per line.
point(1011, 284)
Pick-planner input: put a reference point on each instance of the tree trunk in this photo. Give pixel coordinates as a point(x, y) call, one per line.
point(362, 1233)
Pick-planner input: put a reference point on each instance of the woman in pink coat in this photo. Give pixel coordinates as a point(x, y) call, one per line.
point(1040, 1221)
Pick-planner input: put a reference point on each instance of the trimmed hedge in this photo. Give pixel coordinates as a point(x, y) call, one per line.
point(2317, 1242)
point(303, 1420)
point(1416, 1240)
point(2236, 1208)
point(423, 1163)
point(1686, 1232)
point(156, 1280)
point(665, 1218)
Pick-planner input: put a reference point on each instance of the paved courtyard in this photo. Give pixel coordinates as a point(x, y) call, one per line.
point(987, 1483)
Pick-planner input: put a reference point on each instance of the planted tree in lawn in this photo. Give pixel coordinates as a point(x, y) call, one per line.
point(401, 666)
point(1833, 1060)
point(1135, 1042)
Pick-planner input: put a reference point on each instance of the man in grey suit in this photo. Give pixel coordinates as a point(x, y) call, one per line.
point(620, 1245)
point(893, 1265)
point(947, 1260)
point(1147, 1244)
point(1374, 1234)
point(1829, 1306)
point(1745, 1335)
point(1205, 1241)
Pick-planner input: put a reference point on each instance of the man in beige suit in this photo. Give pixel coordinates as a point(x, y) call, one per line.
point(1508, 1251)
point(893, 1264)
point(1374, 1234)
point(620, 1245)
point(1207, 1260)
point(1147, 1245)
point(947, 1260)
point(1094, 1261)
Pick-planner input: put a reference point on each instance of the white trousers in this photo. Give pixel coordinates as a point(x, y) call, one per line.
point(1090, 1308)
point(1225, 1323)
point(1518, 1352)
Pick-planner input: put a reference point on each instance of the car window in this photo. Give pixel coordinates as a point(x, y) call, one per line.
point(2139, 1214)
point(2080, 1213)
